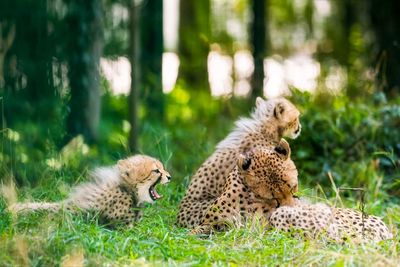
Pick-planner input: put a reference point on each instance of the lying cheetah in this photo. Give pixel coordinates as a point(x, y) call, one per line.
point(338, 223)
point(263, 179)
point(116, 193)
point(262, 185)
point(270, 121)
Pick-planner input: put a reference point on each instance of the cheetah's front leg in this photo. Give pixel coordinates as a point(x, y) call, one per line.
point(218, 216)
point(131, 217)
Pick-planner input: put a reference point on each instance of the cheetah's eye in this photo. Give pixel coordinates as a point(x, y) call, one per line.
point(246, 163)
point(156, 171)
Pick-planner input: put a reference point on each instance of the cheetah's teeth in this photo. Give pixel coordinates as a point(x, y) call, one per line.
point(153, 193)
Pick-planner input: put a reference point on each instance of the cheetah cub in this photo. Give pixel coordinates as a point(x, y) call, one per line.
point(116, 193)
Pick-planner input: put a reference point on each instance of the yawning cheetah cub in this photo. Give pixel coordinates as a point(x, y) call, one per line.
point(115, 193)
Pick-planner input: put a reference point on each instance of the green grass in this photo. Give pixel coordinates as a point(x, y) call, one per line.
point(46, 240)
point(29, 155)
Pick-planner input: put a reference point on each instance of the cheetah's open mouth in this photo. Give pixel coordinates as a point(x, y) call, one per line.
point(152, 190)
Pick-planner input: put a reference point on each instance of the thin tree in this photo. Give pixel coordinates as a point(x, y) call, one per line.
point(133, 99)
point(6, 41)
point(258, 35)
point(347, 17)
point(150, 58)
point(84, 19)
point(145, 52)
point(193, 46)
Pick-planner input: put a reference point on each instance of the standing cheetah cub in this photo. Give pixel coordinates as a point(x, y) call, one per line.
point(116, 193)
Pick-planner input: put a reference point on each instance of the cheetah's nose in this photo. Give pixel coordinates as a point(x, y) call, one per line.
point(169, 177)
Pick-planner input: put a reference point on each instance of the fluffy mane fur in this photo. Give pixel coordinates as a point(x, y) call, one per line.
point(261, 115)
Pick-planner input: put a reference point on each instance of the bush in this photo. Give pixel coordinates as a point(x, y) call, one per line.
point(356, 140)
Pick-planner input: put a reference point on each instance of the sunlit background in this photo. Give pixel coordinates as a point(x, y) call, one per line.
point(230, 73)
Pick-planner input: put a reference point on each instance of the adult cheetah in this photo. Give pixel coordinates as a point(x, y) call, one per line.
point(269, 122)
point(262, 185)
point(116, 193)
point(263, 179)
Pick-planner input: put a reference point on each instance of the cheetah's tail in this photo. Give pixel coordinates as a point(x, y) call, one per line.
point(34, 206)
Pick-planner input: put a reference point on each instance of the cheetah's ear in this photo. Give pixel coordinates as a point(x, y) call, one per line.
point(259, 101)
point(244, 161)
point(123, 164)
point(127, 169)
point(278, 110)
point(283, 149)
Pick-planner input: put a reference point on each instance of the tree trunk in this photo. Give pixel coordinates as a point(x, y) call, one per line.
point(133, 99)
point(6, 40)
point(258, 42)
point(85, 48)
point(349, 14)
point(27, 74)
point(385, 22)
point(150, 59)
point(194, 34)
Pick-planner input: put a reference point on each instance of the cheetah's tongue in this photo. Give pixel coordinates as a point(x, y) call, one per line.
point(154, 193)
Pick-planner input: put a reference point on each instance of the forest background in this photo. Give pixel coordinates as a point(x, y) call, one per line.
point(85, 83)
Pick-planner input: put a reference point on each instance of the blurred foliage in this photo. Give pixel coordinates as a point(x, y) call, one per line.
point(353, 134)
point(116, 26)
point(32, 82)
point(357, 141)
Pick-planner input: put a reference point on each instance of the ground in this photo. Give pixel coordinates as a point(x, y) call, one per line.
point(156, 240)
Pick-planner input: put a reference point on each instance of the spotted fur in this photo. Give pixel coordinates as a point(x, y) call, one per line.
point(338, 223)
point(263, 179)
point(116, 193)
point(270, 121)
